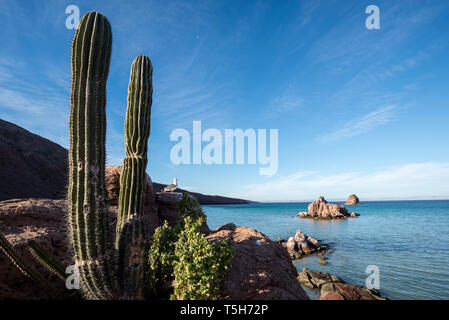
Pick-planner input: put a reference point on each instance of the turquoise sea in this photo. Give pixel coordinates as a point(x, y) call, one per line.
point(407, 240)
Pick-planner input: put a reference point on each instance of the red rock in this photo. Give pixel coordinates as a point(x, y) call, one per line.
point(301, 245)
point(228, 226)
point(261, 269)
point(333, 288)
point(321, 209)
point(42, 220)
point(352, 200)
point(112, 177)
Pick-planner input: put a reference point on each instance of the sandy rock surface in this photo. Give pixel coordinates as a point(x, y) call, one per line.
point(261, 268)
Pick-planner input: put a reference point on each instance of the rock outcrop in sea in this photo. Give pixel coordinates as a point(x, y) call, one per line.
point(321, 209)
point(301, 245)
point(353, 200)
point(333, 288)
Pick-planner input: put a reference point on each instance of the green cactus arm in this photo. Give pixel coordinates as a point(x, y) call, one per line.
point(28, 271)
point(87, 210)
point(132, 233)
point(47, 260)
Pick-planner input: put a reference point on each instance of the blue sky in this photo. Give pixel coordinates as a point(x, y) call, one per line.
point(358, 111)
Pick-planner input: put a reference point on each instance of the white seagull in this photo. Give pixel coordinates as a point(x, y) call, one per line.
point(172, 187)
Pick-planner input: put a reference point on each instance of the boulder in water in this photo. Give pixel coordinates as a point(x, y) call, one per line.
point(352, 200)
point(333, 288)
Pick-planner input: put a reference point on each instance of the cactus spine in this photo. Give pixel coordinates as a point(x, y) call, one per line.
point(132, 232)
point(88, 218)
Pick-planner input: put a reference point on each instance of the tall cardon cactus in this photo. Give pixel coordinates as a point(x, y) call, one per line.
point(132, 231)
point(87, 210)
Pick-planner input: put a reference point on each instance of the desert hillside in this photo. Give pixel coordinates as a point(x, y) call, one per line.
point(30, 166)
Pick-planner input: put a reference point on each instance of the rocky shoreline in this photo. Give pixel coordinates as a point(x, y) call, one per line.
point(261, 268)
point(333, 288)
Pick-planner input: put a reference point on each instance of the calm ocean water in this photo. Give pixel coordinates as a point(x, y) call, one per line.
point(407, 240)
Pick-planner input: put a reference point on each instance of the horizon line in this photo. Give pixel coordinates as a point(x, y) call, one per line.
point(361, 202)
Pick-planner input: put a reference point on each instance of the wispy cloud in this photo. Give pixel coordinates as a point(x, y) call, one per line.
point(35, 105)
point(417, 180)
point(288, 101)
point(361, 125)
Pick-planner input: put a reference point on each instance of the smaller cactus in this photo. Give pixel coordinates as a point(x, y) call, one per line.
point(132, 232)
point(28, 271)
point(46, 259)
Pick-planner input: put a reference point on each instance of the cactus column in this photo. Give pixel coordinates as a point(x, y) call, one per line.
point(132, 233)
point(88, 219)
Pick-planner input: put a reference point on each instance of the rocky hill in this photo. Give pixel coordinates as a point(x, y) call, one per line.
point(34, 167)
point(30, 166)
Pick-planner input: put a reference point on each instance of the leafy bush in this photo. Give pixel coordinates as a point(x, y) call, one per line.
point(183, 253)
point(189, 207)
point(199, 266)
point(161, 256)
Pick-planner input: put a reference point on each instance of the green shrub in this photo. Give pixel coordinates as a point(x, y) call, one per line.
point(183, 253)
point(189, 207)
point(161, 256)
point(199, 265)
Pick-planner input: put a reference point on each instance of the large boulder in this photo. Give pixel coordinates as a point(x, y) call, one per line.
point(301, 245)
point(321, 209)
point(168, 206)
point(353, 200)
point(112, 177)
point(261, 269)
point(333, 288)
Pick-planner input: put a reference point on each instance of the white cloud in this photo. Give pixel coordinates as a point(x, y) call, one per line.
point(287, 102)
point(417, 180)
point(361, 125)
